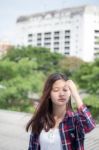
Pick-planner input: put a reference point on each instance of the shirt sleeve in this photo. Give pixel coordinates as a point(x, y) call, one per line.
point(33, 142)
point(30, 142)
point(85, 119)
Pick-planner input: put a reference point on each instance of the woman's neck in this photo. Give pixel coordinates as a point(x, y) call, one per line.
point(59, 111)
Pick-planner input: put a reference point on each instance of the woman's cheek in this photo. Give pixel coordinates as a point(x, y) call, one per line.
point(54, 96)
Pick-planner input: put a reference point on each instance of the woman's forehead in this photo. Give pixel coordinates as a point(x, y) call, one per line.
point(59, 83)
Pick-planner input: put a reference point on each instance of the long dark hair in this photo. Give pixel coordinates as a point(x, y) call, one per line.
point(43, 117)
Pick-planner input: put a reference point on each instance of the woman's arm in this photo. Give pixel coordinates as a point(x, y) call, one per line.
point(74, 93)
point(84, 117)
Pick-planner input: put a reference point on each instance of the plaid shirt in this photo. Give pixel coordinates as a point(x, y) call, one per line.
point(72, 130)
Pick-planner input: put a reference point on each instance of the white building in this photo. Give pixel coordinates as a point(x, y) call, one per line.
point(70, 31)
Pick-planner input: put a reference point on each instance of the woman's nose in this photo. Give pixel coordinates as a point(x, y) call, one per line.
point(61, 93)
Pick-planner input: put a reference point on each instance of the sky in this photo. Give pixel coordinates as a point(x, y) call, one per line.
point(10, 10)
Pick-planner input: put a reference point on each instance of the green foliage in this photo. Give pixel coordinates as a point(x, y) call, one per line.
point(69, 65)
point(16, 90)
point(92, 102)
point(88, 77)
point(7, 70)
point(80, 74)
point(43, 59)
point(25, 69)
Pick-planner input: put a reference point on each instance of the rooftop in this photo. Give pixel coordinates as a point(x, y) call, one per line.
point(53, 12)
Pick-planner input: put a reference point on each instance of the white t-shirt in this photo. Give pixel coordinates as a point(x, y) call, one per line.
point(50, 140)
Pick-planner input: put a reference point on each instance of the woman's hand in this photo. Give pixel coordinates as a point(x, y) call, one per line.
point(74, 92)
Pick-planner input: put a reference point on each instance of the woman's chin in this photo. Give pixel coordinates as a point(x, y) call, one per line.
point(61, 102)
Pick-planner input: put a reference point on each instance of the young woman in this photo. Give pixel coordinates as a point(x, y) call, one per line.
point(55, 126)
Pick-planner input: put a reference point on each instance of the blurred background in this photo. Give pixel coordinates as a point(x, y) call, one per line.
point(38, 38)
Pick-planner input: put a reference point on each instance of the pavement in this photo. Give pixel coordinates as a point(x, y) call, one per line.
point(12, 130)
point(14, 137)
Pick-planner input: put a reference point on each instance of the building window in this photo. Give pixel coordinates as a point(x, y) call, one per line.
point(96, 31)
point(96, 48)
point(66, 53)
point(56, 33)
point(38, 44)
point(67, 48)
point(56, 38)
point(47, 43)
point(56, 49)
point(39, 34)
point(67, 31)
point(47, 38)
point(67, 37)
point(96, 42)
point(67, 42)
point(38, 39)
point(47, 33)
point(56, 43)
point(30, 35)
point(29, 40)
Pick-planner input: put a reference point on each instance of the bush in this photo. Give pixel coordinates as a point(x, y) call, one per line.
point(92, 102)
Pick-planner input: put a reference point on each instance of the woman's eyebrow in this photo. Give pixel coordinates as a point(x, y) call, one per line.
point(60, 87)
point(65, 86)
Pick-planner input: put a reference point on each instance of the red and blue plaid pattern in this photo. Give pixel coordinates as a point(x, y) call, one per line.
point(72, 130)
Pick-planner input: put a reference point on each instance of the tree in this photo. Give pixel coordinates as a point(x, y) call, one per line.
point(69, 65)
point(87, 77)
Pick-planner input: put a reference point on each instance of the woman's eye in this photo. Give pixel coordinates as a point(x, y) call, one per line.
point(55, 90)
point(65, 90)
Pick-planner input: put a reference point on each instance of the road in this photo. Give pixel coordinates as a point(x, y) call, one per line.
point(14, 137)
point(12, 130)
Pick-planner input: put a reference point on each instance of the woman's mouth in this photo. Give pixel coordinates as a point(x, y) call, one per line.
point(61, 99)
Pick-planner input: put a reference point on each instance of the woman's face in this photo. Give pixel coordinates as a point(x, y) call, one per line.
point(60, 93)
